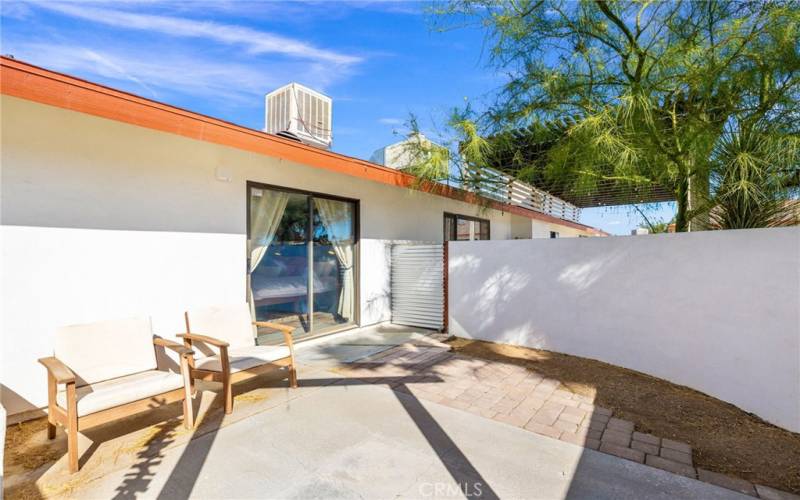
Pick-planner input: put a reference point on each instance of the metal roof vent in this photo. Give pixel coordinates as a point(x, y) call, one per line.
point(301, 112)
point(288, 135)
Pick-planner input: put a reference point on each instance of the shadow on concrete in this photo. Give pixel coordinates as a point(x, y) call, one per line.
point(195, 453)
point(138, 480)
point(462, 471)
point(40, 458)
point(184, 475)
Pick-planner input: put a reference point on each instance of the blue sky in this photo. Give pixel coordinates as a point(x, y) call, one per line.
point(379, 61)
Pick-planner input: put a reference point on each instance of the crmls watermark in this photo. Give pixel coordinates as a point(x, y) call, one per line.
point(456, 490)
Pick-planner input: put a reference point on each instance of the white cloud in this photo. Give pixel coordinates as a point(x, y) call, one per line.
point(412, 7)
point(299, 10)
point(390, 121)
point(15, 10)
point(180, 73)
point(104, 62)
point(254, 41)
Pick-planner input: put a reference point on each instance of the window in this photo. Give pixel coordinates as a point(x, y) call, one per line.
point(465, 228)
point(554, 234)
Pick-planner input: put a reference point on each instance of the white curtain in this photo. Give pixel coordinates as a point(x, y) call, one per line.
point(337, 218)
point(266, 212)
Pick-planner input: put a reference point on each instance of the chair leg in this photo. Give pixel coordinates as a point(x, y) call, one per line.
point(72, 428)
point(228, 390)
point(51, 405)
point(292, 376)
point(226, 379)
point(188, 411)
point(188, 390)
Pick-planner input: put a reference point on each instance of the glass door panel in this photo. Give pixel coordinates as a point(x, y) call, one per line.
point(279, 221)
point(463, 230)
point(333, 303)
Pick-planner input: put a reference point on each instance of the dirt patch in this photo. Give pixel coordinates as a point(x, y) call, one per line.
point(26, 491)
point(723, 437)
point(249, 398)
point(26, 450)
point(27, 447)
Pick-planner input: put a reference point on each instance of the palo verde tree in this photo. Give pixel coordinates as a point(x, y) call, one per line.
point(648, 91)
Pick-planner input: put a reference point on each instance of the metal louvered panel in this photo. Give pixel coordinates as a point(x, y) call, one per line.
point(418, 285)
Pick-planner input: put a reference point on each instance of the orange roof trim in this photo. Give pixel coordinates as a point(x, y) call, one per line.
point(33, 83)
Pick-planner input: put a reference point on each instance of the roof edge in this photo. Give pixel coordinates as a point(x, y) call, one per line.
point(34, 83)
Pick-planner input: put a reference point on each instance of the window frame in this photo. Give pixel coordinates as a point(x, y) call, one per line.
point(454, 217)
point(249, 185)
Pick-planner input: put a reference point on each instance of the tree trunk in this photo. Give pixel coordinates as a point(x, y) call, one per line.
point(682, 199)
point(698, 198)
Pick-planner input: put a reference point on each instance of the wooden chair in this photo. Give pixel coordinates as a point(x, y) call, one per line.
point(223, 342)
point(109, 371)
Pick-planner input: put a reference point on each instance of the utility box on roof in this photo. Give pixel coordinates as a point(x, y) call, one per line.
point(298, 111)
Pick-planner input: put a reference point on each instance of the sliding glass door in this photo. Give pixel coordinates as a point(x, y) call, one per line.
point(302, 261)
point(333, 293)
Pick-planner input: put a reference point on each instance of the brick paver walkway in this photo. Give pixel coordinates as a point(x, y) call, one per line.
point(523, 398)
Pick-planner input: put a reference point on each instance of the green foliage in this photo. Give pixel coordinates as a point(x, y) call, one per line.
point(459, 159)
point(651, 90)
point(755, 174)
point(655, 226)
point(658, 227)
point(425, 160)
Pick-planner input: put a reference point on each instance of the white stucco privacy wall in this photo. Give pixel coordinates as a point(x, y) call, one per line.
point(375, 276)
point(716, 311)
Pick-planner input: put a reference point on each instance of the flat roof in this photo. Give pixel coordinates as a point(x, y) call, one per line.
point(33, 83)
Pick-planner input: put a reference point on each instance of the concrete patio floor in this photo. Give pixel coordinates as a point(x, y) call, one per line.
point(339, 437)
point(361, 442)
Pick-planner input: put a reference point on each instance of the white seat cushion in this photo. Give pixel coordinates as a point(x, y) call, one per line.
point(242, 358)
point(231, 323)
point(115, 392)
point(106, 350)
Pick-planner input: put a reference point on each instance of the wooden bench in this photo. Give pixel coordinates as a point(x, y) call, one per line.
point(109, 370)
point(223, 342)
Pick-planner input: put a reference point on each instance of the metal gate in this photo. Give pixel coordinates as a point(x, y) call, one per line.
point(418, 285)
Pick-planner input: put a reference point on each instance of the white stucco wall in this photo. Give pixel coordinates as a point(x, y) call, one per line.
point(103, 220)
point(67, 169)
point(521, 227)
point(375, 277)
point(542, 230)
point(59, 276)
point(715, 311)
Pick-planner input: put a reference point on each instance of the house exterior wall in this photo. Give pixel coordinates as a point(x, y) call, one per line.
point(542, 230)
point(102, 219)
point(718, 311)
point(66, 169)
point(522, 227)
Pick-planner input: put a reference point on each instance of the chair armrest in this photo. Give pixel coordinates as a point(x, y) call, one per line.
point(203, 338)
point(284, 329)
point(174, 346)
point(277, 326)
point(58, 370)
